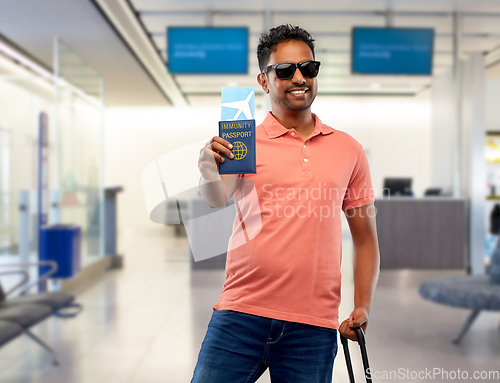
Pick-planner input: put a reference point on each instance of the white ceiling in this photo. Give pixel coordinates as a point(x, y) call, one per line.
point(330, 24)
point(32, 25)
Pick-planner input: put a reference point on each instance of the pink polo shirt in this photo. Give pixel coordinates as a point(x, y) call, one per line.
point(285, 251)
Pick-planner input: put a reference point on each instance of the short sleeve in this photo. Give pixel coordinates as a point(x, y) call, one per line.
point(359, 191)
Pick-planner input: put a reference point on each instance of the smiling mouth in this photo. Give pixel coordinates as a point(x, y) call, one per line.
point(298, 92)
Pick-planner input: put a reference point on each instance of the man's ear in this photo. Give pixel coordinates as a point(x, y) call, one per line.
point(262, 80)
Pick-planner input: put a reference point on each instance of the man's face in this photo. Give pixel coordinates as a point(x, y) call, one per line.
point(298, 92)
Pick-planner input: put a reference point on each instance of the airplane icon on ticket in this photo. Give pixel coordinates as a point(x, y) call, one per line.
point(245, 103)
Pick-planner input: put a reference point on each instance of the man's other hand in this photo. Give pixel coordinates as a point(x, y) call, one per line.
point(358, 318)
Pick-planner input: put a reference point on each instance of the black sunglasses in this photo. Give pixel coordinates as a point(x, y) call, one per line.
point(285, 71)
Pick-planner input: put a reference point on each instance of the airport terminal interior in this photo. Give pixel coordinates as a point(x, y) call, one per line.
point(110, 259)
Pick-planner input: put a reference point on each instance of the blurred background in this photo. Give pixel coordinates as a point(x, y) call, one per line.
point(94, 91)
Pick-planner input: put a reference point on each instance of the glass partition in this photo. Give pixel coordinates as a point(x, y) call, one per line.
point(79, 127)
point(72, 98)
point(23, 95)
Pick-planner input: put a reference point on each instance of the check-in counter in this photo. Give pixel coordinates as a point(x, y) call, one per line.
point(422, 233)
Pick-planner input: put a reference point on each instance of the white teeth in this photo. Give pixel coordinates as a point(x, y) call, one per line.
point(298, 92)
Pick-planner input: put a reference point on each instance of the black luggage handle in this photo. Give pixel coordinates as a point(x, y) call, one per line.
point(360, 335)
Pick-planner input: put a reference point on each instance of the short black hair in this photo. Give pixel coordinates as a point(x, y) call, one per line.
point(278, 35)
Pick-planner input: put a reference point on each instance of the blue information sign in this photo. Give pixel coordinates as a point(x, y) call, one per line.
point(392, 51)
point(207, 50)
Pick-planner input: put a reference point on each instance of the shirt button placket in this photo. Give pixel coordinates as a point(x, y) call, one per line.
point(306, 163)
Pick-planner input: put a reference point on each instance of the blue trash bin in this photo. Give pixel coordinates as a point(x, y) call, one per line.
point(61, 243)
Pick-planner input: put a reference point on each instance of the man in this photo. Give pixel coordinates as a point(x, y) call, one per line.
point(279, 305)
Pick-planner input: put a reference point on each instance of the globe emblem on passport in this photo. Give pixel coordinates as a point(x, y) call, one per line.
point(239, 150)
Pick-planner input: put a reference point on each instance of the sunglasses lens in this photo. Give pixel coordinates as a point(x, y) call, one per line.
point(309, 69)
point(285, 71)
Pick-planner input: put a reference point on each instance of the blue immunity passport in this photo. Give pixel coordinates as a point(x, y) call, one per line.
point(238, 127)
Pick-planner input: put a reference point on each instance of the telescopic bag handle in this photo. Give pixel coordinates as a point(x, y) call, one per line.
point(360, 335)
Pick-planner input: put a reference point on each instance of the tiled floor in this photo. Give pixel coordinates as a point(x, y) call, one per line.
point(145, 324)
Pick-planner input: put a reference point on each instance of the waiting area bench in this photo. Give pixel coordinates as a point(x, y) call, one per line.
point(9, 331)
point(474, 292)
point(19, 314)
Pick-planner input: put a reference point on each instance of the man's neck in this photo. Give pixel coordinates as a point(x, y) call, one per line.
point(302, 121)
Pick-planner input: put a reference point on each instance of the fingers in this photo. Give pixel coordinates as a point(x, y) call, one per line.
point(214, 150)
point(346, 327)
point(358, 317)
point(211, 155)
point(220, 145)
point(346, 331)
point(355, 323)
point(221, 141)
point(350, 321)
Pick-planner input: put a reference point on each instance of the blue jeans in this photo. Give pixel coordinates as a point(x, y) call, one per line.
point(239, 347)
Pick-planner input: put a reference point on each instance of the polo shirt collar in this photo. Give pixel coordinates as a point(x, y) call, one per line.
point(274, 129)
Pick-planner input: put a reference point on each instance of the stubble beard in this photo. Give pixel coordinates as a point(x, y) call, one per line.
point(297, 108)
